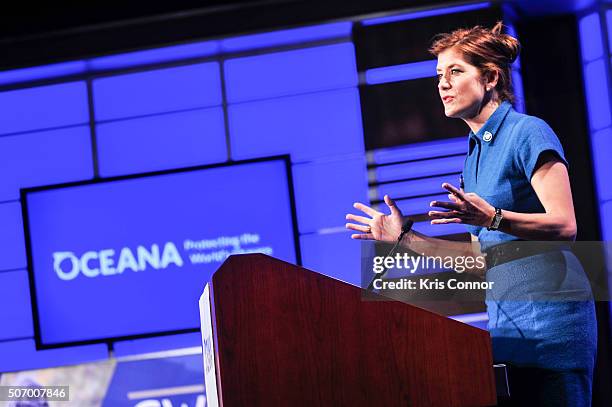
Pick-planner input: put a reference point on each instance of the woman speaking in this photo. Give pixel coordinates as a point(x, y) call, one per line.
point(515, 187)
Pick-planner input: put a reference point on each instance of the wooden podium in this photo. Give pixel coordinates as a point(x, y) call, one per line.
point(275, 334)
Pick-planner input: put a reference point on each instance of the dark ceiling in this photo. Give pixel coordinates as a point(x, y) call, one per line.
point(32, 34)
point(27, 20)
point(65, 30)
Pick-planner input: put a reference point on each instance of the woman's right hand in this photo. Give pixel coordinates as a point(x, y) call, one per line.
point(377, 226)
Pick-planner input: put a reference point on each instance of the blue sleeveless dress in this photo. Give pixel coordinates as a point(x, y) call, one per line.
point(533, 321)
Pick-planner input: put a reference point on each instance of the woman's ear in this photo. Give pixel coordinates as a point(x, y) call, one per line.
point(491, 78)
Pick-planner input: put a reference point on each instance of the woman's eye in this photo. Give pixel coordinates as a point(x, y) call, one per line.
point(455, 71)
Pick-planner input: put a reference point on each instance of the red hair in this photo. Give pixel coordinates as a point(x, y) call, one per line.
point(487, 49)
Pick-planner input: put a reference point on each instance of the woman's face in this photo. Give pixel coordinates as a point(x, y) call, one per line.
point(461, 86)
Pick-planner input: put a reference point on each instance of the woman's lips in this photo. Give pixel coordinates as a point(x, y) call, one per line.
point(447, 99)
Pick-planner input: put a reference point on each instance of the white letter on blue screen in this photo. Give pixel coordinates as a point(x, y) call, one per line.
point(58, 258)
point(171, 255)
point(126, 261)
point(145, 257)
point(89, 272)
point(106, 262)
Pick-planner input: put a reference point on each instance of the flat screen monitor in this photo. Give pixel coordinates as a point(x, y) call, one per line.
point(128, 257)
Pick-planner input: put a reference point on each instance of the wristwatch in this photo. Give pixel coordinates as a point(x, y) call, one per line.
point(496, 220)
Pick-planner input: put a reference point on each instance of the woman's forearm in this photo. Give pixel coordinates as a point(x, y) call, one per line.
point(538, 226)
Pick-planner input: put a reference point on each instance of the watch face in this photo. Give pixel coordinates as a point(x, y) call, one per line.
point(498, 219)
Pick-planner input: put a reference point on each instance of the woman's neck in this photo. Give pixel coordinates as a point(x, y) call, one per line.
point(480, 118)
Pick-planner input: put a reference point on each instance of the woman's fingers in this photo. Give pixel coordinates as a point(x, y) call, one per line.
point(358, 228)
point(452, 189)
point(362, 236)
point(357, 218)
point(366, 209)
point(445, 205)
point(443, 214)
point(391, 204)
point(444, 221)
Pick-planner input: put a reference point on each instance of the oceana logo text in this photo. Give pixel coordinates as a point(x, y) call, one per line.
point(68, 265)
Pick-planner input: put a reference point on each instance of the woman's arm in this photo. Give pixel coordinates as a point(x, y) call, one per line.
point(550, 182)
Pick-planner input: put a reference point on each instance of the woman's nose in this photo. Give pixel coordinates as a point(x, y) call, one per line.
point(443, 83)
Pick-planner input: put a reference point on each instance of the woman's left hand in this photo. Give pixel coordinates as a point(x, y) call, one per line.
point(465, 207)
